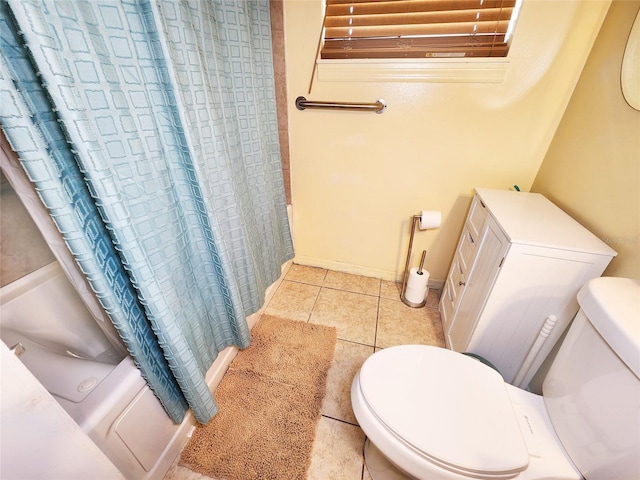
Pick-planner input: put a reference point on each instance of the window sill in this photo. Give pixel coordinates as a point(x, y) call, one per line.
point(473, 70)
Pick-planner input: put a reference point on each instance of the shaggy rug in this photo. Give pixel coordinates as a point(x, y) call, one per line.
point(269, 401)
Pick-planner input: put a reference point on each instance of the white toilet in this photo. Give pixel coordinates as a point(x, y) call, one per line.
point(431, 413)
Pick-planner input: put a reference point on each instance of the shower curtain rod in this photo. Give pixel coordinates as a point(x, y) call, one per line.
point(378, 106)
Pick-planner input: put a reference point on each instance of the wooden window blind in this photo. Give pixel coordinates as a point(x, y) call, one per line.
point(416, 28)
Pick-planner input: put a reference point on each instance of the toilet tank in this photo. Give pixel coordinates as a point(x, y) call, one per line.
point(592, 390)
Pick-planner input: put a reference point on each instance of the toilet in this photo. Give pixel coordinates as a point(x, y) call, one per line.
point(431, 413)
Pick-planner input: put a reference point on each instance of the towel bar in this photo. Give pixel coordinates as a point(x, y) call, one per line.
point(379, 106)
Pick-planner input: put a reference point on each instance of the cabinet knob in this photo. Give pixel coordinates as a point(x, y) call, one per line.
point(461, 283)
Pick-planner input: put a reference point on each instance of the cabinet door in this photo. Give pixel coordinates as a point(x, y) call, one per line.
point(534, 282)
point(491, 249)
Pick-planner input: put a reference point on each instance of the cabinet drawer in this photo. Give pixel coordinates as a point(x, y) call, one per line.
point(467, 248)
point(476, 217)
point(457, 279)
point(452, 291)
point(447, 309)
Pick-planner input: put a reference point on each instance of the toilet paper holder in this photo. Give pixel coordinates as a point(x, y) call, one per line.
point(426, 220)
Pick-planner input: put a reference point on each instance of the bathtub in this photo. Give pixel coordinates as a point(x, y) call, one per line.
point(43, 320)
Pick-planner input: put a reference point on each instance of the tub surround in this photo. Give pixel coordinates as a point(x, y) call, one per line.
point(39, 439)
point(120, 410)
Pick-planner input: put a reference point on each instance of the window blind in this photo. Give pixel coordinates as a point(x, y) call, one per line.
point(416, 28)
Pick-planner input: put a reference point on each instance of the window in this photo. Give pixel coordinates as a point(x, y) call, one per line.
point(394, 29)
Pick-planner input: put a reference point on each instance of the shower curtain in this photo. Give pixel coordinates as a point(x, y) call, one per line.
point(149, 131)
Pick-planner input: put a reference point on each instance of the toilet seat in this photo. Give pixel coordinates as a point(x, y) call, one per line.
point(463, 398)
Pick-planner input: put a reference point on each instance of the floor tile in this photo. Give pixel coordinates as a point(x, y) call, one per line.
point(304, 274)
point(399, 324)
point(390, 290)
point(353, 314)
point(368, 315)
point(293, 300)
point(337, 451)
point(347, 360)
point(433, 298)
point(365, 474)
point(176, 472)
point(352, 283)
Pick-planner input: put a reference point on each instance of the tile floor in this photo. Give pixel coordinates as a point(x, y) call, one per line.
point(368, 315)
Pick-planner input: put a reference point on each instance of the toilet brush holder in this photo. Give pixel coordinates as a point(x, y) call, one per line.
point(415, 294)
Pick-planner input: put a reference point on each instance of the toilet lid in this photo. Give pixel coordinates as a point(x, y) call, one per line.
point(451, 408)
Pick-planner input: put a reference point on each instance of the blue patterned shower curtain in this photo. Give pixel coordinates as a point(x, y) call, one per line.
point(149, 131)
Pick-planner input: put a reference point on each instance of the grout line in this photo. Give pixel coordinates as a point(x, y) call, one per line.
point(300, 281)
point(364, 465)
point(375, 334)
point(356, 343)
point(341, 421)
point(328, 287)
point(314, 304)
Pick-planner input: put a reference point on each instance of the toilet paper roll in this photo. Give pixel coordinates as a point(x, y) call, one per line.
point(416, 290)
point(430, 219)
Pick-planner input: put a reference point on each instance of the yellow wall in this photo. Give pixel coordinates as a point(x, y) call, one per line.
point(592, 169)
point(357, 178)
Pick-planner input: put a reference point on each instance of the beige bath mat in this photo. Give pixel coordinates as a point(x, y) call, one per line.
point(269, 401)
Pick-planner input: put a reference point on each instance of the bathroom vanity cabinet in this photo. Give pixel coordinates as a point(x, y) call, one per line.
point(518, 267)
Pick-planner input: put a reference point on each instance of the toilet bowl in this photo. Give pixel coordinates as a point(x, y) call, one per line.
point(486, 428)
point(431, 413)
